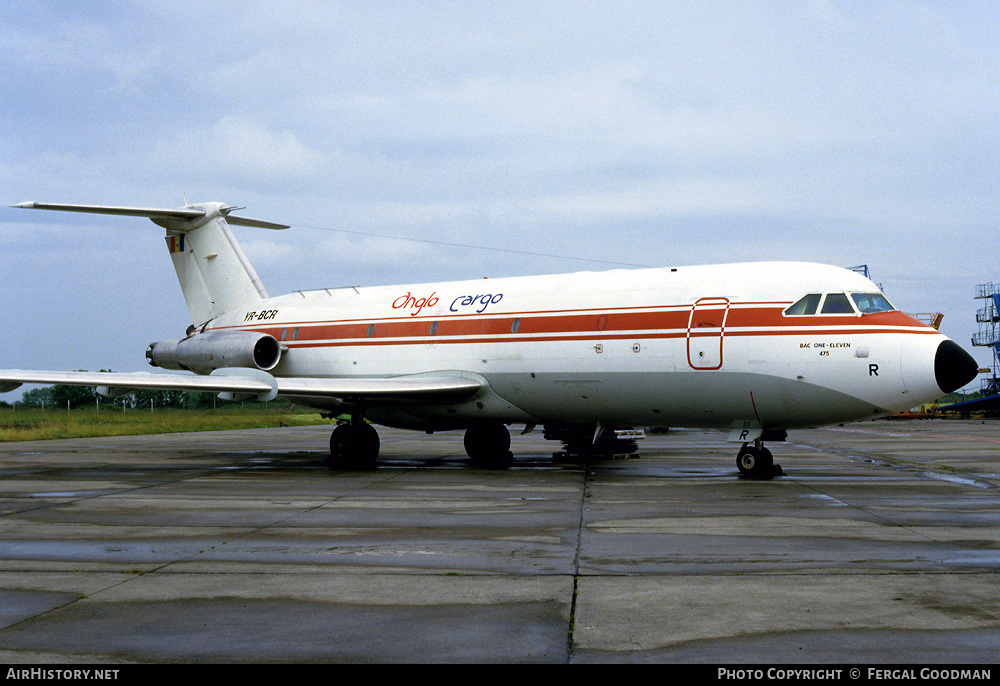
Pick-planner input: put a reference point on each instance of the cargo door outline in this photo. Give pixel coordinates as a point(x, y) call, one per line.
point(706, 329)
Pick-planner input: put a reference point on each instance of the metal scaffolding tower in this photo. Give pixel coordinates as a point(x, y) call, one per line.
point(988, 335)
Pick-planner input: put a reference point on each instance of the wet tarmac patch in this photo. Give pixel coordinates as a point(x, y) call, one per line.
point(273, 631)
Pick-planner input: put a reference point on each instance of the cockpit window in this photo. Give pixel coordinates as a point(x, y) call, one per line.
point(840, 303)
point(837, 303)
point(871, 302)
point(806, 305)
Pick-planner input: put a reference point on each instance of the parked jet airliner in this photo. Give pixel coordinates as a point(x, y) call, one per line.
point(755, 348)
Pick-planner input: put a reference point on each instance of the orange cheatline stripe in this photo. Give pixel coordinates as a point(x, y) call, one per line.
point(668, 322)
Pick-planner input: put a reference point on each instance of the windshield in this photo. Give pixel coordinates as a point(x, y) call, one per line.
point(807, 305)
point(837, 303)
point(871, 302)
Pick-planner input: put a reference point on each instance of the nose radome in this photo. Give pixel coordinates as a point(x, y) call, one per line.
point(953, 367)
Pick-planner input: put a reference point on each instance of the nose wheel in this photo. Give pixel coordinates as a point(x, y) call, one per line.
point(756, 462)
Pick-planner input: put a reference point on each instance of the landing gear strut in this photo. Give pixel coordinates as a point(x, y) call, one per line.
point(756, 462)
point(353, 446)
point(488, 445)
point(589, 442)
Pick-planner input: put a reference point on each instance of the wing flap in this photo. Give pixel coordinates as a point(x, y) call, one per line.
point(421, 387)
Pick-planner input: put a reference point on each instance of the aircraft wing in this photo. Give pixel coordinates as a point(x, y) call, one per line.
point(434, 387)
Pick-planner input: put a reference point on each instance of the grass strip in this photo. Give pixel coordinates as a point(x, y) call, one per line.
point(36, 424)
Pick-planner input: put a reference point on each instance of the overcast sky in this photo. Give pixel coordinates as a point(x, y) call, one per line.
point(659, 133)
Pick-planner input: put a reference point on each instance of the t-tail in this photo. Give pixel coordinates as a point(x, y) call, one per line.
point(214, 272)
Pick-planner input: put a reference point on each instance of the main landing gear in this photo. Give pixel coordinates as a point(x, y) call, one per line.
point(488, 445)
point(353, 446)
point(756, 462)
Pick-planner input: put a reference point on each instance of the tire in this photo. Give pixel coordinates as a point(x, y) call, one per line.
point(354, 446)
point(755, 463)
point(488, 446)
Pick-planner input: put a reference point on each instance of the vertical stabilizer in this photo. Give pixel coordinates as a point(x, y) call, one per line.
point(213, 270)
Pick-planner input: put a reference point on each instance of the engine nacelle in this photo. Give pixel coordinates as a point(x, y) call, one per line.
point(204, 352)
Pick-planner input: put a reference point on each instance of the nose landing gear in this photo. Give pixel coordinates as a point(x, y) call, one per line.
point(756, 462)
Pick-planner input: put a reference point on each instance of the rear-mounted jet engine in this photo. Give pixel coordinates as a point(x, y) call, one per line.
point(205, 352)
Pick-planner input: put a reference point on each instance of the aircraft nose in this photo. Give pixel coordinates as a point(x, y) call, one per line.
point(953, 367)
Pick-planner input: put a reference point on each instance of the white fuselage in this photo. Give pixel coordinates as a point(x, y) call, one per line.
point(692, 346)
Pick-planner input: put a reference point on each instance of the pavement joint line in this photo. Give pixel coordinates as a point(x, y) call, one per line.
point(576, 561)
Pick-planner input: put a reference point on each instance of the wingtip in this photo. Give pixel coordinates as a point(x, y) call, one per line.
point(25, 205)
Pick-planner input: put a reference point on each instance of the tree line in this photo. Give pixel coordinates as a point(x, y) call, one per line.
point(60, 396)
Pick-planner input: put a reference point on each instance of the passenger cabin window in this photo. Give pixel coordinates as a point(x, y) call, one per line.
point(837, 303)
point(806, 305)
point(871, 302)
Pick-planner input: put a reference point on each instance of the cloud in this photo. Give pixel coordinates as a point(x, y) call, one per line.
point(698, 130)
point(237, 148)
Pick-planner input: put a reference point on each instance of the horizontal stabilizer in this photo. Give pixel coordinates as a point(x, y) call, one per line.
point(190, 213)
point(151, 212)
point(255, 223)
